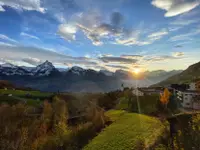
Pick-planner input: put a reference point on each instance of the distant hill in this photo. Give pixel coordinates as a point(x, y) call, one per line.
point(190, 74)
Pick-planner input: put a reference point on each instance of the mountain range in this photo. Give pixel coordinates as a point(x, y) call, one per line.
point(46, 77)
point(191, 74)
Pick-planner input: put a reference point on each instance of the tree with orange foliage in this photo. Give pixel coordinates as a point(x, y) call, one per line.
point(164, 98)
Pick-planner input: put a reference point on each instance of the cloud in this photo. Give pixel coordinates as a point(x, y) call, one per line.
point(1, 8)
point(178, 46)
point(118, 60)
point(132, 56)
point(32, 61)
point(162, 58)
point(157, 35)
point(118, 67)
point(95, 39)
point(134, 38)
point(22, 5)
point(93, 27)
point(185, 36)
point(184, 22)
point(131, 41)
point(112, 31)
point(97, 33)
point(4, 37)
point(6, 44)
point(29, 36)
point(67, 31)
point(175, 7)
point(178, 54)
point(176, 28)
point(21, 53)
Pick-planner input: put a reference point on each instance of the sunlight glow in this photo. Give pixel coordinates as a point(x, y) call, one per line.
point(136, 70)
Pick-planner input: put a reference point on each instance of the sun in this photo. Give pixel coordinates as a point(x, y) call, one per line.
point(136, 70)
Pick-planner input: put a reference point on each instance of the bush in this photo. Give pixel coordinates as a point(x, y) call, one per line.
point(108, 100)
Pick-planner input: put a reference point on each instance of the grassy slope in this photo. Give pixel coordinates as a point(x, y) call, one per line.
point(129, 131)
point(21, 96)
point(21, 93)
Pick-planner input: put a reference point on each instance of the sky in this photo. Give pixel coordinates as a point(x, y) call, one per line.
point(101, 34)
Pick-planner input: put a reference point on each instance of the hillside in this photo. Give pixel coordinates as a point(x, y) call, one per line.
point(129, 131)
point(188, 75)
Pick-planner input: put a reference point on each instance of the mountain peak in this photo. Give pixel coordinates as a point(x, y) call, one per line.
point(8, 65)
point(44, 69)
point(47, 63)
point(76, 70)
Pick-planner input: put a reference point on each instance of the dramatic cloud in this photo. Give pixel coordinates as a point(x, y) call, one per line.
point(178, 54)
point(93, 27)
point(6, 38)
point(22, 4)
point(118, 60)
point(175, 7)
point(29, 36)
point(67, 32)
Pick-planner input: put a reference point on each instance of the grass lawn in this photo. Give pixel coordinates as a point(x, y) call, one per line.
point(13, 100)
point(21, 93)
point(129, 131)
point(32, 98)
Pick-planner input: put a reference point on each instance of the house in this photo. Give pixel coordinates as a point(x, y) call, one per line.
point(152, 91)
point(146, 91)
point(137, 92)
point(195, 85)
point(189, 99)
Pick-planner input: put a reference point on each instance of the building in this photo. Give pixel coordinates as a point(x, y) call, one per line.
point(192, 86)
point(195, 85)
point(137, 92)
point(146, 91)
point(189, 99)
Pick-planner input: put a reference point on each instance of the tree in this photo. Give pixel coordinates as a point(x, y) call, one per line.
point(164, 98)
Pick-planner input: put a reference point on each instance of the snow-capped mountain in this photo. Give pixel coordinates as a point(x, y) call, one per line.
point(9, 70)
point(43, 69)
point(77, 70)
point(107, 73)
point(48, 78)
point(8, 65)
